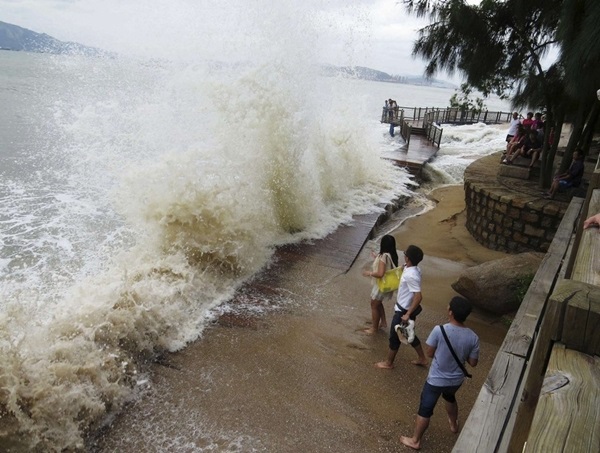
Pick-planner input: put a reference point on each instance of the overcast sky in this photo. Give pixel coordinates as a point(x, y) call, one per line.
point(374, 33)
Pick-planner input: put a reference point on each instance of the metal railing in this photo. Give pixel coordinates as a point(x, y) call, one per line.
point(448, 115)
point(405, 130)
point(434, 134)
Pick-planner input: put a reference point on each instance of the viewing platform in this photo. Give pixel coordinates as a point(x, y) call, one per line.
point(420, 128)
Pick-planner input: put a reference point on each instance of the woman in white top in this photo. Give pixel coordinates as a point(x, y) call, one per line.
point(385, 260)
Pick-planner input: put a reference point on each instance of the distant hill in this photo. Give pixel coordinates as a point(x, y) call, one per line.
point(361, 72)
point(13, 37)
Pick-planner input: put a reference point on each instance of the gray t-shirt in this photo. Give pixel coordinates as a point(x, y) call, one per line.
point(444, 370)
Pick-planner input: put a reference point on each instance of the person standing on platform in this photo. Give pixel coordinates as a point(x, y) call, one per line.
point(450, 346)
point(407, 308)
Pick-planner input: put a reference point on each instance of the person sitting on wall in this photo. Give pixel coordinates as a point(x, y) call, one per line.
point(515, 143)
point(528, 122)
point(538, 125)
point(531, 147)
point(512, 129)
point(571, 178)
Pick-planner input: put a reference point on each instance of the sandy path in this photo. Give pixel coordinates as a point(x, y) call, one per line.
point(301, 379)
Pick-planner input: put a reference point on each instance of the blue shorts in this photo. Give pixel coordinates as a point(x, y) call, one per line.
point(565, 183)
point(430, 396)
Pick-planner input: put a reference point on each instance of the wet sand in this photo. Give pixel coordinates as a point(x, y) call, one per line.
point(301, 378)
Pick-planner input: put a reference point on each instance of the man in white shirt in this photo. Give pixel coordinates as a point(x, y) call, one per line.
point(407, 307)
point(512, 128)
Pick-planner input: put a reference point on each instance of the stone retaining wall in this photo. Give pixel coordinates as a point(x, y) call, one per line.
point(508, 214)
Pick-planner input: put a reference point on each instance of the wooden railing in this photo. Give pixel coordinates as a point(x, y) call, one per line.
point(405, 130)
point(554, 334)
point(391, 115)
point(500, 419)
point(457, 116)
point(434, 134)
point(429, 119)
point(444, 116)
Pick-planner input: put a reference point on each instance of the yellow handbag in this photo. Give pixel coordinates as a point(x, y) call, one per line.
point(390, 280)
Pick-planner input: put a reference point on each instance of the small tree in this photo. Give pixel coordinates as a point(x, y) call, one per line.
point(462, 100)
point(497, 45)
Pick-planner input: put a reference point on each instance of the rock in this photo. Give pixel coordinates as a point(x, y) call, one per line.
point(496, 286)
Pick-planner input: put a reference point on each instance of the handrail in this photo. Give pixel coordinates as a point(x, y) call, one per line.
point(455, 115)
point(501, 416)
point(594, 184)
point(431, 117)
point(405, 131)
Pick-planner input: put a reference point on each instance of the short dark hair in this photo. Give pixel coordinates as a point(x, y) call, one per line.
point(414, 254)
point(460, 308)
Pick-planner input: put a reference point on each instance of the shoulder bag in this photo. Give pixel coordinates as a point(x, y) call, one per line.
point(462, 367)
point(391, 279)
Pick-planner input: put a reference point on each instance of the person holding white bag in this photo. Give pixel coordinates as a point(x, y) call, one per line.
point(406, 309)
point(386, 260)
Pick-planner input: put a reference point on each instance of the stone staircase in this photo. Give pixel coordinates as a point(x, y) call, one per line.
point(520, 169)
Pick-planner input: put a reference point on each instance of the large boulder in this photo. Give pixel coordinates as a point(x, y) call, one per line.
point(497, 285)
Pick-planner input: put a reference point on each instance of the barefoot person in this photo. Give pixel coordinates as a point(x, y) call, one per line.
point(445, 375)
point(407, 307)
point(385, 260)
point(571, 178)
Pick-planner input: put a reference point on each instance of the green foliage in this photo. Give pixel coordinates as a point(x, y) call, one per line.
point(463, 101)
point(499, 46)
point(522, 286)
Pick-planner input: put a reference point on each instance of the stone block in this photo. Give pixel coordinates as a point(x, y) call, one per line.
point(533, 232)
point(530, 217)
point(520, 203)
point(514, 171)
point(552, 210)
point(547, 222)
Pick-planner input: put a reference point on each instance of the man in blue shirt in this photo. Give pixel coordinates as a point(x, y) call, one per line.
point(445, 374)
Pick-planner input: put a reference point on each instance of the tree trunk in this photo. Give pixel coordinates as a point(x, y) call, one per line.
point(574, 139)
point(548, 155)
point(588, 132)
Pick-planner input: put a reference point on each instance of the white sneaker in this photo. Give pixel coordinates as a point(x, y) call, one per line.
point(401, 332)
point(410, 331)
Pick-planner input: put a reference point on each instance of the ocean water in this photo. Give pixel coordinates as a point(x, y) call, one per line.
point(137, 195)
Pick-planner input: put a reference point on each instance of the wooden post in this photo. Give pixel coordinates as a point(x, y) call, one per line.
point(569, 411)
point(587, 211)
point(500, 418)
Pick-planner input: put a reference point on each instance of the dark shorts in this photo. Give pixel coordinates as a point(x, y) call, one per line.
point(509, 137)
point(565, 183)
point(394, 340)
point(430, 396)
